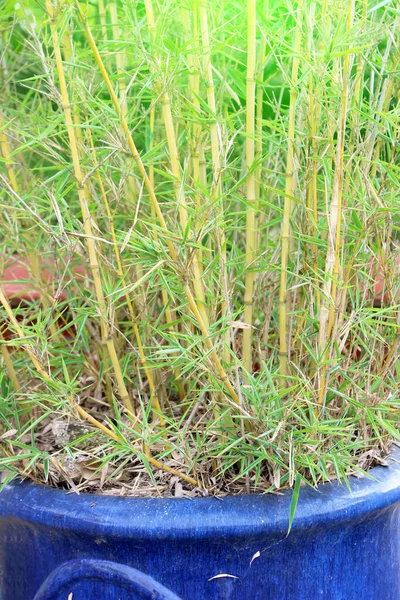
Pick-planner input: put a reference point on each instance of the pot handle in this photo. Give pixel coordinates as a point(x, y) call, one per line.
point(58, 584)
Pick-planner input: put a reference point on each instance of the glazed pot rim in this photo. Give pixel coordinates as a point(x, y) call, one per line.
point(232, 516)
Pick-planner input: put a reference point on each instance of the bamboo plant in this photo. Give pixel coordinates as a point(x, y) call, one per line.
point(224, 174)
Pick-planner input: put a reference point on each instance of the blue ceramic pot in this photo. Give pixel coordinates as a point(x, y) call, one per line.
point(343, 545)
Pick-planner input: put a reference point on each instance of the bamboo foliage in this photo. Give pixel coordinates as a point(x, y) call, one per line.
point(228, 179)
point(40, 369)
point(198, 286)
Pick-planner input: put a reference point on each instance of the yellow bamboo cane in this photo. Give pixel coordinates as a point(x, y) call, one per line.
point(259, 107)
point(9, 364)
point(87, 220)
point(103, 18)
point(287, 211)
point(251, 227)
point(180, 195)
point(334, 221)
point(215, 156)
point(194, 97)
point(131, 308)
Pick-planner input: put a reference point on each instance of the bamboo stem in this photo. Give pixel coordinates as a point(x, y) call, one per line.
point(170, 134)
point(216, 158)
point(383, 91)
point(387, 95)
point(170, 316)
point(131, 309)
point(289, 192)
point(311, 215)
point(87, 221)
point(334, 222)
point(6, 153)
point(357, 96)
point(180, 195)
point(120, 61)
point(312, 199)
point(215, 145)
point(21, 335)
point(103, 18)
point(194, 96)
point(195, 143)
point(175, 167)
point(9, 364)
point(259, 107)
point(251, 226)
point(67, 49)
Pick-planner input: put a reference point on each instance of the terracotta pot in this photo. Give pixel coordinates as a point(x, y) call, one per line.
point(377, 272)
point(19, 284)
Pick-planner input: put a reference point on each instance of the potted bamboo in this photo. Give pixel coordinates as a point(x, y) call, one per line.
point(199, 300)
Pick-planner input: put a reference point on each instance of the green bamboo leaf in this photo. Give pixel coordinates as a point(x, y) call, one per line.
point(378, 6)
point(294, 501)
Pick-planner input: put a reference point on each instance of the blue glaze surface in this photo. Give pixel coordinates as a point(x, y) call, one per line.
point(343, 545)
point(87, 573)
